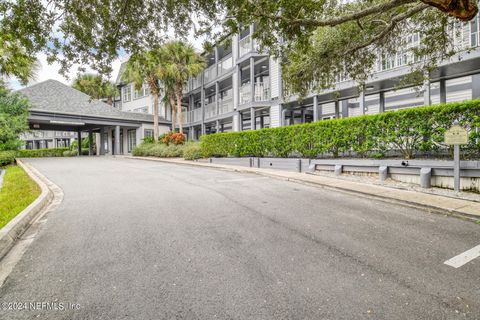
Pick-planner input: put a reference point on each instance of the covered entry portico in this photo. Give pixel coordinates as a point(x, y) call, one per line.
point(56, 106)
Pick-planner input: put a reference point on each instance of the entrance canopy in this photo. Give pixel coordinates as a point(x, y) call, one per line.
point(56, 106)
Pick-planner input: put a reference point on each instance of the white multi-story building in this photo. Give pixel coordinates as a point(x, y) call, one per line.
point(240, 84)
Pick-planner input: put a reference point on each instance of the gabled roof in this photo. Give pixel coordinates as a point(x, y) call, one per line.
point(57, 98)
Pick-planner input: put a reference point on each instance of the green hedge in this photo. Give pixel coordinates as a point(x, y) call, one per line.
point(407, 131)
point(39, 153)
point(189, 150)
point(6, 157)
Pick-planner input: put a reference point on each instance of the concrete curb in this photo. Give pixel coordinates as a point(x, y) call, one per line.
point(13, 230)
point(434, 203)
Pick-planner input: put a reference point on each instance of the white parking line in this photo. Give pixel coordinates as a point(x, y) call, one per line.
point(464, 257)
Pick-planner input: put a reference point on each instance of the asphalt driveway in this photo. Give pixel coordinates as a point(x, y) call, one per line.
point(136, 239)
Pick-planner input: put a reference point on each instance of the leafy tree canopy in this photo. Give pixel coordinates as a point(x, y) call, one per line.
point(318, 38)
point(13, 118)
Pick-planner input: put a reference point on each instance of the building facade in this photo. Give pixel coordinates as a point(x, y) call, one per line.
point(241, 88)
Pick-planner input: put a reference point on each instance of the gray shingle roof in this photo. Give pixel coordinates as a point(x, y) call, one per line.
point(56, 97)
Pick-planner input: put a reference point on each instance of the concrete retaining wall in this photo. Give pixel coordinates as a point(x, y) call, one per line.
point(408, 170)
point(294, 165)
point(440, 175)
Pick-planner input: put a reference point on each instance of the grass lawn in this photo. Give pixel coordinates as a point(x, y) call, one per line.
point(17, 192)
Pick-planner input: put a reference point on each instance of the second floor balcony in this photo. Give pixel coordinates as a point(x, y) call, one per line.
point(194, 115)
point(245, 93)
point(210, 110)
point(226, 105)
point(262, 91)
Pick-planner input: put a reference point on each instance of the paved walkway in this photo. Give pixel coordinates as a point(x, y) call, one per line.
point(428, 201)
point(144, 240)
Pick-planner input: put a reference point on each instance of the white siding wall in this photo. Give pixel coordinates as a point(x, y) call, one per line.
point(328, 108)
point(461, 95)
point(274, 78)
point(275, 116)
point(373, 104)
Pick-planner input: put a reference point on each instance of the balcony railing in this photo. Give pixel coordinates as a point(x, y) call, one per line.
point(245, 45)
point(245, 93)
point(225, 65)
point(226, 105)
point(210, 110)
point(210, 74)
point(262, 91)
point(194, 115)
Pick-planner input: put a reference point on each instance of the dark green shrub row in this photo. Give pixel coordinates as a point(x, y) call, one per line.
point(8, 157)
point(408, 131)
point(39, 153)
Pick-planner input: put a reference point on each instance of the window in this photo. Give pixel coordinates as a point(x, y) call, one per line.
point(127, 93)
point(132, 139)
point(148, 133)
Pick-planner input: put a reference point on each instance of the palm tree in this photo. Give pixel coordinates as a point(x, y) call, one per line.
point(144, 67)
point(179, 62)
point(96, 87)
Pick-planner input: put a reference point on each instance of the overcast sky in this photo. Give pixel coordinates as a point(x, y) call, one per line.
point(50, 71)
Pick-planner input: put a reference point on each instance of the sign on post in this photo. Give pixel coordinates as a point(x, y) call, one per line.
point(456, 136)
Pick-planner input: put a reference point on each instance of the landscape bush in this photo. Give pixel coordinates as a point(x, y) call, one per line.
point(158, 150)
point(190, 149)
point(172, 137)
point(70, 153)
point(39, 153)
point(407, 131)
point(6, 158)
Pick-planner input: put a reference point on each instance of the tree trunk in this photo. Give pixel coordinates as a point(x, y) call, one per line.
point(179, 94)
point(174, 112)
point(464, 10)
point(110, 100)
point(155, 116)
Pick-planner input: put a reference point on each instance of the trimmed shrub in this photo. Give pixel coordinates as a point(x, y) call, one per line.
point(39, 153)
point(408, 131)
point(158, 150)
point(192, 151)
point(6, 158)
point(70, 153)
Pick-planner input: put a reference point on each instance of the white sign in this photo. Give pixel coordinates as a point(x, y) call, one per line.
point(456, 135)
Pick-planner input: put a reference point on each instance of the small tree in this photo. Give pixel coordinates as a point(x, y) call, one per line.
point(179, 62)
point(13, 118)
point(96, 87)
point(144, 67)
